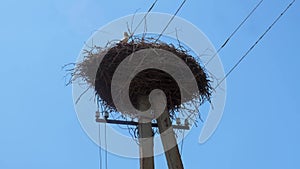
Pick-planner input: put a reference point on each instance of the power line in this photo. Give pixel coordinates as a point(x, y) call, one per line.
point(105, 139)
point(99, 132)
point(258, 40)
point(170, 20)
point(234, 32)
point(149, 10)
point(100, 151)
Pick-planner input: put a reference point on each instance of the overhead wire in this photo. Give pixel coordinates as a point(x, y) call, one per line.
point(144, 18)
point(99, 136)
point(100, 151)
point(181, 5)
point(234, 32)
point(105, 142)
point(256, 42)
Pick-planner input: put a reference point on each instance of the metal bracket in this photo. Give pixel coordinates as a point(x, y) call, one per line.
point(133, 123)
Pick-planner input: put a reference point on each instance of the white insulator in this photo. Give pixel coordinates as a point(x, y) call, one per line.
point(178, 121)
point(97, 114)
point(106, 115)
point(186, 122)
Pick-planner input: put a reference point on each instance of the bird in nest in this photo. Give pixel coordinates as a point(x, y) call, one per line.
point(125, 38)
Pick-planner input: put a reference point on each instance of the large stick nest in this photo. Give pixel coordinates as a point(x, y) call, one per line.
point(144, 82)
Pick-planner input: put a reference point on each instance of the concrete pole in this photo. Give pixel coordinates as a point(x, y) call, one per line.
point(168, 140)
point(145, 137)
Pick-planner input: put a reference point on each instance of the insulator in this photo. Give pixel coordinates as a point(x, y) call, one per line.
point(178, 122)
point(106, 115)
point(97, 114)
point(186, 122)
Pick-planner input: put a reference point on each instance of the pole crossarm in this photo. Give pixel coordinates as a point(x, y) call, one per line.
point(133, 123)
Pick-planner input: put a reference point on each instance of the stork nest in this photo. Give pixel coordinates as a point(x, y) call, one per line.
point(144, 82)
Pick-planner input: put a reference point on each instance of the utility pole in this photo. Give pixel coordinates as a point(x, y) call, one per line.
point(166, 131)
point(168, 140)
point(145, 136)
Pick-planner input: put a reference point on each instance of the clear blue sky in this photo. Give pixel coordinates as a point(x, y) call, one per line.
point(38, 124)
